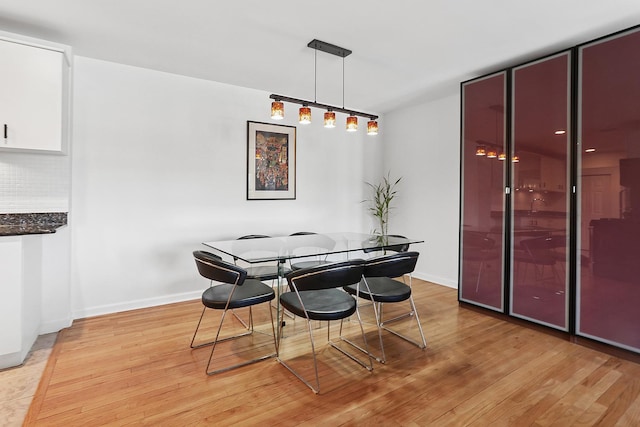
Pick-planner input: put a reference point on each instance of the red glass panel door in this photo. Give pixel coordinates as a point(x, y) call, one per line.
point(483, 148)
point(608, 261)
point(540, 200)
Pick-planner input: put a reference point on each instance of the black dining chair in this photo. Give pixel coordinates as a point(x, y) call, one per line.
point(401, 247)
point(232, 291)
point(316, 294)
point(380, 287)
point(305, 262)
point(265, 271)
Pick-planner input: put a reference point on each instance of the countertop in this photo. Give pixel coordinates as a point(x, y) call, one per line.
point(19, 224)
point(535, 214)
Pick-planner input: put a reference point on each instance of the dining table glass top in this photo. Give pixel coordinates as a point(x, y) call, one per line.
point(284, 248)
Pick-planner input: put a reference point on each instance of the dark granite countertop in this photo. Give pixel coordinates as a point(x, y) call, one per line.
point(20, 224)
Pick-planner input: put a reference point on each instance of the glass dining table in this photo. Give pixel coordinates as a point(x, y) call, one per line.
point(287, 248)
point(325, 246)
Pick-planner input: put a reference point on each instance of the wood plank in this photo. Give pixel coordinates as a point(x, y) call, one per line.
point(137, 368)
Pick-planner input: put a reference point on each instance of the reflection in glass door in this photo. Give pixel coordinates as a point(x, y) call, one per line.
point(608, 256)
point(540, 200)
point(483, 182)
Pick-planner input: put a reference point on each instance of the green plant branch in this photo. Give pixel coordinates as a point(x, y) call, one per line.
point(383, 194)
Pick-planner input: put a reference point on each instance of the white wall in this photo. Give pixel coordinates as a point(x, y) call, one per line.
point(159, 165)
point(422, 145)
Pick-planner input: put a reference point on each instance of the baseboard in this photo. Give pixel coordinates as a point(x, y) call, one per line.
point(137, 304)
point(11, 360)
point(436, 279)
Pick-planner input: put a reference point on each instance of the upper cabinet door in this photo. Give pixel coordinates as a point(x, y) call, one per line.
point(541, 93)
point(32, 105)
point(483, 153)
point(608, 266)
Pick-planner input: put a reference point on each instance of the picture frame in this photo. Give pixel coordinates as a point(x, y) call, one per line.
point(271, 161)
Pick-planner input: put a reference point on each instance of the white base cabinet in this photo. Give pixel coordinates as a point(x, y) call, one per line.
point(20, 296)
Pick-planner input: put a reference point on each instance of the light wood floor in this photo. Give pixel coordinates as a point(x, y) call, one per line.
point(137, 368)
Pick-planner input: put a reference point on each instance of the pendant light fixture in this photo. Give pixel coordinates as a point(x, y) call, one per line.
point(372, 127)
point(277, 106)
point(305, 115)
point(481, 150)
point(502, 156)
point(277, 109)
point(352, 124)
point(329, 119)
point(492, 153)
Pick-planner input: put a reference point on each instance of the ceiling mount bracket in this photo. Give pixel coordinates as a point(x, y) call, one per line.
point(329, 48)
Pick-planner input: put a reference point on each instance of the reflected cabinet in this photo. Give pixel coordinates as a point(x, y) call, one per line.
point(550, 191)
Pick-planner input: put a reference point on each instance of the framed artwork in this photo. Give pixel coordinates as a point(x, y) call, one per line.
point(271, 161)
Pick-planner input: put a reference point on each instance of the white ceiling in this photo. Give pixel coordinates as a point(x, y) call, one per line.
point(404, 51)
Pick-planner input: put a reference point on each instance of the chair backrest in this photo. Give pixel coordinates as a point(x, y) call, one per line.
point(544, 243)
point(477, 240)
point(404, 247)
point(326, 276)
point(394, 265)
point(214, 268)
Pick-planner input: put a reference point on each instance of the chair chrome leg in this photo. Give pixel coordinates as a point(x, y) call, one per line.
point(208, 343)
point(248, 362)
point(315, 389)
point(413, 313)
point(365, 350)
point(196, 331)
point(381, 359)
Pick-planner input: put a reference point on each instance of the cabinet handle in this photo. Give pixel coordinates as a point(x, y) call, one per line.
point(5, 131)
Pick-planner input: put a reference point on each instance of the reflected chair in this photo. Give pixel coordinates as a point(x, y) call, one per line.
point(302, 263)
point(539, 252)
point(379, 286)
point(477, 247)
point(233, 291)
point(316, 294)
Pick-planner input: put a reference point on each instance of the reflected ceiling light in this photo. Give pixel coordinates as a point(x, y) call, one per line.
point(481, 150)
point(589, 150)
point(277, 110)
point(560, 132)
point(515, 159)
point(492, 153)
point(305, 115)
point(329, 119)
point(277, 107)
point(502, 156)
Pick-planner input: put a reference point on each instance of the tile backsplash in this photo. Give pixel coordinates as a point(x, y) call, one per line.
point(34, 182)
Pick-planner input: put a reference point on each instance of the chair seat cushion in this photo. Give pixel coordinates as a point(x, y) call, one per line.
point(383, 289)
point(249, 293)
point(308, 264)
point(325, 304)
point(265, 272)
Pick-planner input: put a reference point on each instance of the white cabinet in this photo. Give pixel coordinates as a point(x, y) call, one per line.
point(34, 101)
point(20, 296)
point(553, 174)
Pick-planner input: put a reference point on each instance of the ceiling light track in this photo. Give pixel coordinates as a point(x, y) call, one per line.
point(283, 98)
point(277, 106)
